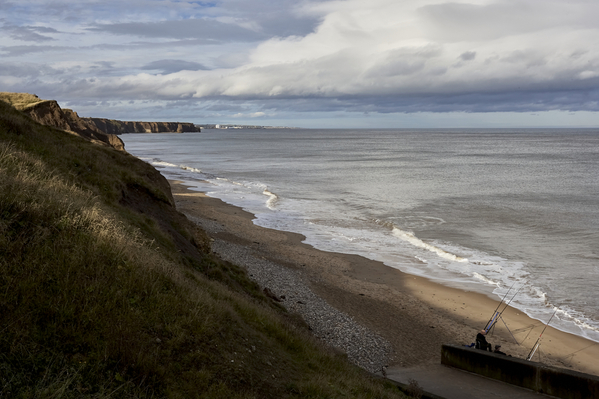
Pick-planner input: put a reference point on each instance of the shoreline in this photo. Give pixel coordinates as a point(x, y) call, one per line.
point(413, 314)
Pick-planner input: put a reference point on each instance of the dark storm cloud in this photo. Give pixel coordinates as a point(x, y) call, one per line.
point(28, 33)
point(275, 19)
point(26, 70)
point(205, 29)
point(475, 103)
point(172, 66)
point(468, 56)
point(10, 51)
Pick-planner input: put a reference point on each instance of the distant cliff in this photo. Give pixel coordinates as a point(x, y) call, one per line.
point(48, 112)
point(111, 126)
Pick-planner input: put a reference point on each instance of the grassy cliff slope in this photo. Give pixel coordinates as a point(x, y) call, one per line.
point(106, 291)
point(48, 112)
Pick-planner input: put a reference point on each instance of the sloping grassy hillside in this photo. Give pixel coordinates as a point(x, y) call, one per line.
point(20, 100)
point(107, 292)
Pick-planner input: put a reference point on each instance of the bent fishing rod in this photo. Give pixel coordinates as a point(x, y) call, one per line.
point(536, 346)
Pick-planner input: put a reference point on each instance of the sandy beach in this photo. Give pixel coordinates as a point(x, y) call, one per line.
point(415, 315)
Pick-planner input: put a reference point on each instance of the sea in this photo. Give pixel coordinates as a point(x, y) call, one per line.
point(510, 213)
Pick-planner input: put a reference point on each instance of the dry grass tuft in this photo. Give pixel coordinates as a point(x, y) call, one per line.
point(20, 100)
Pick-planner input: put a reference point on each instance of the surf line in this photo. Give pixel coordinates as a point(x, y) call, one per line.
point(536, 346)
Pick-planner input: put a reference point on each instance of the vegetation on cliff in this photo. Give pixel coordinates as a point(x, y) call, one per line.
point(48, 112)
point(107, 291)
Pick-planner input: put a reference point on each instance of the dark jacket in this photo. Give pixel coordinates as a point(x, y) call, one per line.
point(481, 343)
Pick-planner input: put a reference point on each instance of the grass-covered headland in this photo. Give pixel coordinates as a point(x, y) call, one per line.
point(106, 291)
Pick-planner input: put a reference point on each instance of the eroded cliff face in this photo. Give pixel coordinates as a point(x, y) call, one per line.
point(111, 126)
point(48, 112)
point(98, 130)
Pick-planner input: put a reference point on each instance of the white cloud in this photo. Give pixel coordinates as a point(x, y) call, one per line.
point(383, 47)
point(250, 115)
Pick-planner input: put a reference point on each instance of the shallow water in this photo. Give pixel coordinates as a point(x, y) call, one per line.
point(484, 210)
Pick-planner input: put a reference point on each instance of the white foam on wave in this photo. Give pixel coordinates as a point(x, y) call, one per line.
point(412, 239)
point(163, 164)
point(189, 168)
point(484, 279)
point(160, 163)
point(588, 330)
point(272, 200)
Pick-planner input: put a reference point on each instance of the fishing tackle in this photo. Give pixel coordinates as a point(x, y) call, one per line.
point(535, 347)
point(497, 314)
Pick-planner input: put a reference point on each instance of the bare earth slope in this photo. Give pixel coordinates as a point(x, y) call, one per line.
point(48, 112)
point(112, 126)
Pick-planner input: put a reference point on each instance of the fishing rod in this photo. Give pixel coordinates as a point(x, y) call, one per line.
point(497, 316)
point(493, 318)
point(510, 301)
point(536, 346)
point(503, 310)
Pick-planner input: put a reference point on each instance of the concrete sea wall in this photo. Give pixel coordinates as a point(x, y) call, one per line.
point(553, 381)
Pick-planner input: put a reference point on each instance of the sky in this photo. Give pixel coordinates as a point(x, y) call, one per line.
point(313, 64)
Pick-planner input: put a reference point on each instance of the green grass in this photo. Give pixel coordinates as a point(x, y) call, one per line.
point(20, 100)
point(107, 292)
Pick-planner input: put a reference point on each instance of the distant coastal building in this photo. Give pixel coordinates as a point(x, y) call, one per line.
point(220, 126)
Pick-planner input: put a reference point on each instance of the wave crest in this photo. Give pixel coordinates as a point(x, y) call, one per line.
point(412, 239)
point(271, 202)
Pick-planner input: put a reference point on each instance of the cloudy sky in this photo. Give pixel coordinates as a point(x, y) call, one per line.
point(320, 63)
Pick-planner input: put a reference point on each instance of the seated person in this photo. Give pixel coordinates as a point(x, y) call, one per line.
point(498, 350)
point(481, 341)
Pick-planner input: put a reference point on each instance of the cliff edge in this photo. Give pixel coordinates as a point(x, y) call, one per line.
point(111, 126)
point(48, 112)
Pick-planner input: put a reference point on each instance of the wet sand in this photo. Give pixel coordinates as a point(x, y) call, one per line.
point(414, 314)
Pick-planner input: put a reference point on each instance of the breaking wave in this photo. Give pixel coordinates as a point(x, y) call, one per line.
point(417, 242)
point(272, 200)
point(163, 164)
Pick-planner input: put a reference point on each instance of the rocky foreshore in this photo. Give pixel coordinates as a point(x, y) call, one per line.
point(289, 287)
